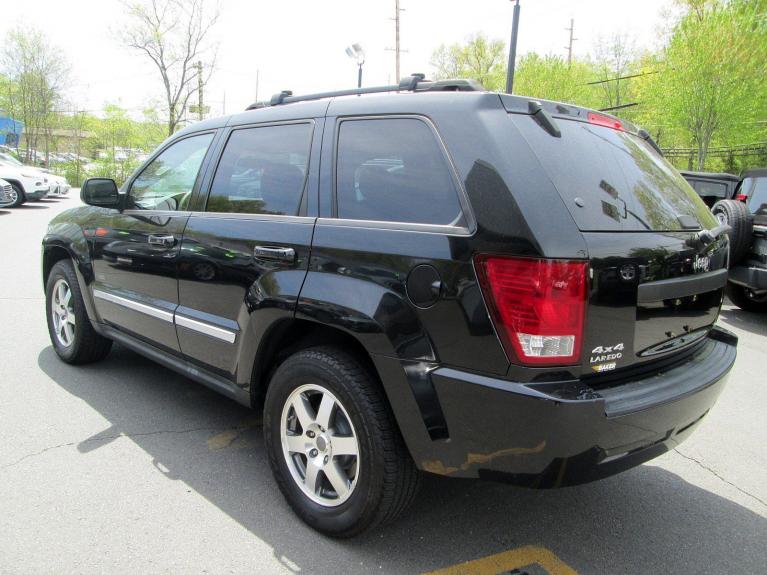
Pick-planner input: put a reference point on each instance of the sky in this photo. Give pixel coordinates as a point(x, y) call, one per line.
point(299, 44)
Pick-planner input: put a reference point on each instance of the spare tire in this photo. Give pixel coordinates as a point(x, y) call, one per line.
point(736, 215)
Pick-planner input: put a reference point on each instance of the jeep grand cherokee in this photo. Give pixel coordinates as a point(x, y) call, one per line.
point(429, 277)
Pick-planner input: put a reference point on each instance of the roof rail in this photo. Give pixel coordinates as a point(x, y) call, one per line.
point(413, 83)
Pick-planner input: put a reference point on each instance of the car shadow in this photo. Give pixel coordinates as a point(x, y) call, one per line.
point(4, 212)
point(32, 206)
point(645, 520)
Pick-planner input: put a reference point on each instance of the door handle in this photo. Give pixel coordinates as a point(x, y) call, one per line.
point(274, 253)
point(167, 240)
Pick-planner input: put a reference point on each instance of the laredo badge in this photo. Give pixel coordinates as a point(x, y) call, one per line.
point(601, 354)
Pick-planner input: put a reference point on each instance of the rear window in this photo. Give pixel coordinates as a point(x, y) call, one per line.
point(612, 180)
point(711, 189)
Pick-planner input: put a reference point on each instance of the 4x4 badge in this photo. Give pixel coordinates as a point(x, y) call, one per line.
point(606, 353)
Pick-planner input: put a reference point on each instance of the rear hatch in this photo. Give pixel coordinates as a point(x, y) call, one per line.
point(653, 288)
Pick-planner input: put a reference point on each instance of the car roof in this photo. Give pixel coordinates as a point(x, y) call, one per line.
point(710, 175)
point(755, 173)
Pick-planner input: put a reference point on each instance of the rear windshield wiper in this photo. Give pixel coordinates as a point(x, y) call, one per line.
point(705, 238)
point(543, 119)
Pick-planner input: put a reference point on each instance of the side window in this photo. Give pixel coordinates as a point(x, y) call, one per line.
point(262, 171)
point(167, 182)
point(394, 170)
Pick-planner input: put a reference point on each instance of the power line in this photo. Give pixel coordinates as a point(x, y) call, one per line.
point(622, 78)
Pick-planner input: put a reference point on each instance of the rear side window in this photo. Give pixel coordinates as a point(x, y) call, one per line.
point(262, 171)
point(711, 189)
point(394, 170)
point(612, 180)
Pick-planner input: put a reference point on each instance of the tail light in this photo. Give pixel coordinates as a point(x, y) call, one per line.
point(741, 197)
point(537, 306)
point(606, 121)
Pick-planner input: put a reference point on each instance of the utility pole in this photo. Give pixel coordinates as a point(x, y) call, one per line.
point(512, 50)
point(199, 90)
point(397, 50)
point(569, 47)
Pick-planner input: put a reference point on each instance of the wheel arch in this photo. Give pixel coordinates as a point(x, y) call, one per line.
point(289, 335)
point(55, 250)
point(401, 381)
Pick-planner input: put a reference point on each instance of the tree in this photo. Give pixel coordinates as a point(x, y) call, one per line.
point(478, 58)
point(174, 35)
point(36, 74)
point(551, 78)
point(714, 75)
point(615, 59)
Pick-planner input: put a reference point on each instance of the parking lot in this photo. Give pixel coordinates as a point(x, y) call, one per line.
point(126, 467)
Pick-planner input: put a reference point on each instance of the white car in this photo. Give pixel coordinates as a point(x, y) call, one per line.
point(6, 194)
point(58, 184)
point(26, 183)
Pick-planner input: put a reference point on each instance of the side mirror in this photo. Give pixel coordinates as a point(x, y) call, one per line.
point(100, 192)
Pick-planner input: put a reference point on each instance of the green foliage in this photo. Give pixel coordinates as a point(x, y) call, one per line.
point(479, 58)
point(706, 88)
point(550, 77)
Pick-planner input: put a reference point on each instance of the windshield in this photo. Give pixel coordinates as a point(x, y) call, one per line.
point(612, 180)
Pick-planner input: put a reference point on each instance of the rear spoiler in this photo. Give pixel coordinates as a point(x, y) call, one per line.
point(545, 113)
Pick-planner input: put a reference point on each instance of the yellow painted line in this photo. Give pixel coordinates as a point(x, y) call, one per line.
point(509, 560)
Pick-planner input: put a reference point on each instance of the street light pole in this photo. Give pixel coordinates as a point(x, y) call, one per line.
point(356, 52)
point(512, 50)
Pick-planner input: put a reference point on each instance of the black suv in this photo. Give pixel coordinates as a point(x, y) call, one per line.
point(436, 278)
point(712, 186)
point(741, 203)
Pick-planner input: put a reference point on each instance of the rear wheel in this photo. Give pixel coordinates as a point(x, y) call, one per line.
point(736, 215)
point(746, 298)
point(333, 445)
point(71, 332)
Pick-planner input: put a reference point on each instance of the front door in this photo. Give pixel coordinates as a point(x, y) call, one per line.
point(244, 258)
point(136, 250)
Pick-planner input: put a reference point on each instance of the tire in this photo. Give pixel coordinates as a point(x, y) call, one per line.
point(17, 199)
point(735, 214)
point(379, 482)
point(746, 299)
point(70, 330)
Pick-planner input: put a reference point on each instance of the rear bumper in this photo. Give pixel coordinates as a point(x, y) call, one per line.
point(515, 433)
point(750, 276)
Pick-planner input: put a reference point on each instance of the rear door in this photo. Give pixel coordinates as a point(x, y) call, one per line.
point(244, 256)
point(654, 287)
point(135, 251)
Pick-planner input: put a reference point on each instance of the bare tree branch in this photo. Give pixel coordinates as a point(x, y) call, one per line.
point(174, 36)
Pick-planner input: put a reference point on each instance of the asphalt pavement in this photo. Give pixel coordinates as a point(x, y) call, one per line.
point(126, 467)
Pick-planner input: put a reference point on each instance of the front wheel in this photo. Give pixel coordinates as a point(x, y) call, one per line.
point(15, 197)
point(71, 332)
point(746, 298)
point(333, 445)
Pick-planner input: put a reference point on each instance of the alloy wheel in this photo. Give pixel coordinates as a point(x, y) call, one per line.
point(320, 445)
point(63, 313)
